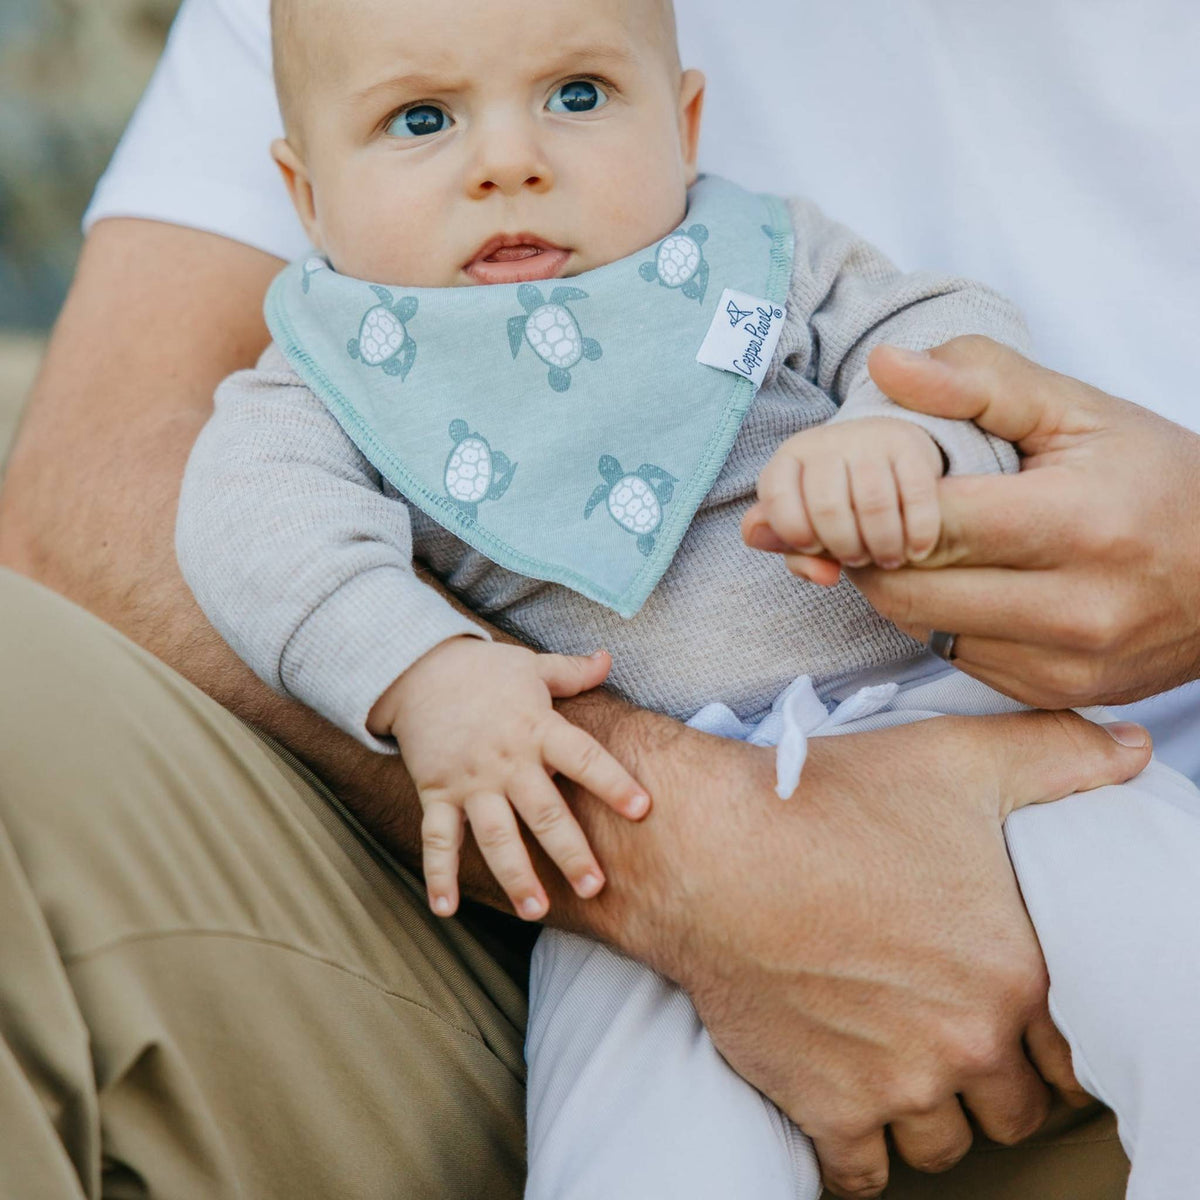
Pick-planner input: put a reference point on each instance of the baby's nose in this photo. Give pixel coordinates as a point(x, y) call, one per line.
point(509, 162)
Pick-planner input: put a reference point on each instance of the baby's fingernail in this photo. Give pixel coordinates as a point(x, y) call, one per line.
point(890, 564)
point(531, 908)
point(1128, 734)
point(589, 885)
point(639, 805)
point(598, 654)
point(441, 905)
point(857, 562)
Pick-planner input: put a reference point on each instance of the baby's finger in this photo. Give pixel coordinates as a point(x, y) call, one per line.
point(495, 828)
point(919, 504)
point(544, 810)
point(577, 755)
point(877, 505)
point(441, 840)
point(831, 510)
point(781, 502)
point(569, 674)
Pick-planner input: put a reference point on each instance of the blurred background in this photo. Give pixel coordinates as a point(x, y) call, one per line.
point(71, 72)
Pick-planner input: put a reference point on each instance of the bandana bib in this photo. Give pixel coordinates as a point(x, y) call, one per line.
point(567, 430)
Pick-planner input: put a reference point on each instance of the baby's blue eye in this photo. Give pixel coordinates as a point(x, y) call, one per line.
point(578, 96)
point(419, 121)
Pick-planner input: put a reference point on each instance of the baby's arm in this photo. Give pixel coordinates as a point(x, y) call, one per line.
point(862, 487)
point(304, 566)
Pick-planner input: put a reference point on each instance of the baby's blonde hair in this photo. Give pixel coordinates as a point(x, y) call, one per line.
point(297, 57)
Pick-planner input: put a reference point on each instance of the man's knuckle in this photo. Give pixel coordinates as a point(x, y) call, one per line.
point(941, 1158)
point(976, 1047)
point(1103, 626)
point(1013, 1128)
point(862, 1184)
point(920, 1095)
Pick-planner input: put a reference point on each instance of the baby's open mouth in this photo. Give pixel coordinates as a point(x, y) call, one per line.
point(517, 258)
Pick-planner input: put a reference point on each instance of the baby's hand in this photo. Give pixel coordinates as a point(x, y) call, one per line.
point(854, 492)
point(480, 737)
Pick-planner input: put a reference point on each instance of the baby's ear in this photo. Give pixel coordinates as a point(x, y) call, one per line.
point(299, 185)
point(691, 110)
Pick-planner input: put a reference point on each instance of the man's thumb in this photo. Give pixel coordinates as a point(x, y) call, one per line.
point(973, 379)
point(1044, 756)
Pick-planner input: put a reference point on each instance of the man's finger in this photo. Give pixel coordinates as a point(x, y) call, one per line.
point(976, 379)
point(1050, 1054)
point(1006, 520)
point(1009, 1105)
point(1042, 676)
point(934, 1141)
point(992, 602)
point(994, 520)
point(854, 1168)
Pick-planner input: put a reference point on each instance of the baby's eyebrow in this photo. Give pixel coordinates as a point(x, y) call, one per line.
point(589, 52)
point(568, 58)
point(415, 82)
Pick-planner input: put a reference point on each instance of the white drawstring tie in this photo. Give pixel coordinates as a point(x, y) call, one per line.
point(796, 715)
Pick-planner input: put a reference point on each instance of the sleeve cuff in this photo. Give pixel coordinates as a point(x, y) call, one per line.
point(969, 450)
point(362, 638)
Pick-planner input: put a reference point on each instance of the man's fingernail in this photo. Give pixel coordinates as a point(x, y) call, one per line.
point(1128, 734)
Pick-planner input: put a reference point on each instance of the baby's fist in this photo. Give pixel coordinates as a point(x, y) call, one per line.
point(854, 492)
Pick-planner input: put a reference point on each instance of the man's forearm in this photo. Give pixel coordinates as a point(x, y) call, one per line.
point(89, 499)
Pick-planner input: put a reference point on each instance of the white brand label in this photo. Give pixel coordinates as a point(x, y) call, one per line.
point(743, 336)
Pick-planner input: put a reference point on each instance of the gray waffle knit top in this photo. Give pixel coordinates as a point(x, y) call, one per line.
point(302, 556)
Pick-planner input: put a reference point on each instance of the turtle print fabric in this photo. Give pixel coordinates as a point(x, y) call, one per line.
point(565, 430)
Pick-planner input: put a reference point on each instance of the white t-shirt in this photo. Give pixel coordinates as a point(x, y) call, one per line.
point(1048, 147)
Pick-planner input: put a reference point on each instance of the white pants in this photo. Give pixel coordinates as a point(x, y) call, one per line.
point(629, 1098)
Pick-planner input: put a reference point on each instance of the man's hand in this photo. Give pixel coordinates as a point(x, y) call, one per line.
point(861, 953)
point(1078, 580)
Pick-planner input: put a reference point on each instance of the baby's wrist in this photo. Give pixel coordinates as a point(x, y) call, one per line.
point(399, 695)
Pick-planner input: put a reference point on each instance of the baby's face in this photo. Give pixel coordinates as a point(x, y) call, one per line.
point(449, 143)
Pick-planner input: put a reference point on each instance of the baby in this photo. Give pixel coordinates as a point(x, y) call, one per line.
point(435, 392)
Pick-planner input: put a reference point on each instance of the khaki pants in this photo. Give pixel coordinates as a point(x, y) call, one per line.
point(213, 984)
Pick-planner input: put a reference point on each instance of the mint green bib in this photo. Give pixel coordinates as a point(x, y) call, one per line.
point(566, 430)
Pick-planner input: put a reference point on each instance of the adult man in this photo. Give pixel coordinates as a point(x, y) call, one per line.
point(87, 508)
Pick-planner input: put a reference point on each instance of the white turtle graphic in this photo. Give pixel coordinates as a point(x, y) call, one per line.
point(474, 471)
point(635, 501)
point(680, 263)
point(383, 338)
point(551, 329)
point(311, 267)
